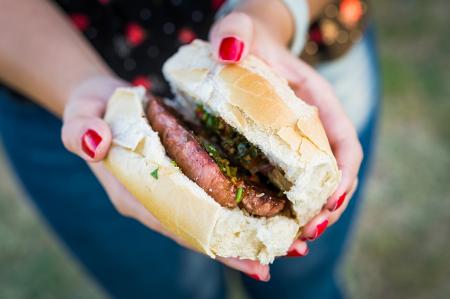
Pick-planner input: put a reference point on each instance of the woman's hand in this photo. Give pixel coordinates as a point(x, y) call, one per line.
point(51, 72)
point(243, 32)
point(87, 135)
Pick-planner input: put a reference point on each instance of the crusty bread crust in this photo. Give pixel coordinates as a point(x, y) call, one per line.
point(262, 107)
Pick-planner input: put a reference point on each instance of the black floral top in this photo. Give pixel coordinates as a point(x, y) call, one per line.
point(135, 37)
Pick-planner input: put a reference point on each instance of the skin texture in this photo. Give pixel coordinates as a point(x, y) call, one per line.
point(197, 164)
point(37, 66)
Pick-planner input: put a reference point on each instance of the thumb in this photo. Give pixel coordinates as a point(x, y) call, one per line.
point(231, 37)
point(84, 132)
point(87, 137)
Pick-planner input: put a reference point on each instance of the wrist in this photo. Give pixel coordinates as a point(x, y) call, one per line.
point(300, 15)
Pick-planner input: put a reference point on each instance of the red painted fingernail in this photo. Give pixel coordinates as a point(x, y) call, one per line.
point(320, 228)
point(339, 202)
point(89, 142)
point(231, 49)
point(257, 277)
point(254, 276)
point(295, 253)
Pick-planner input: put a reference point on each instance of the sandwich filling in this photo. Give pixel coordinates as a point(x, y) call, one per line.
point(216, 157)
point(228, 147)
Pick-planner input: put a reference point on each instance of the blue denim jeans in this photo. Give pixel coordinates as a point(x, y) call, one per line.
point(131, 261)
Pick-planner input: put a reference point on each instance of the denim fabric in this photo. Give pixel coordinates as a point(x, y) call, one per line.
point(131, 261)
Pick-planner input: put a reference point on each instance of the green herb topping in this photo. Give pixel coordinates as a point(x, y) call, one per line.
point(236, 157)
point(154, 173)
point(239, 194)
point(233, 145)
point(223, 163)
point(174, 163)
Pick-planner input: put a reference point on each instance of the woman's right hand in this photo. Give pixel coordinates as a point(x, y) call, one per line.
point(87, 135)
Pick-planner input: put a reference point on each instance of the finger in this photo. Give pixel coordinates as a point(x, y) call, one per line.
point(349, 155)
point(231, 37)
point(339, 211)
point(298, 248)
point(84, 132)
point(316, 226)
point(252, 268)
point(88, 137)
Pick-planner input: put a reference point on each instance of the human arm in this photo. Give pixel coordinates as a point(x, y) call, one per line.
point(45, 58)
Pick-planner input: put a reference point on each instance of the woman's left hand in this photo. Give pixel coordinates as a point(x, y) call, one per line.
point(244, 32)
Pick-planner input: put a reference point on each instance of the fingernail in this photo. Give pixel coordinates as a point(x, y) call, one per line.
point(89, 142)
point(257, 277)
point(339, 202)
point(231, 49)
point(295, 253)
point(320, 228)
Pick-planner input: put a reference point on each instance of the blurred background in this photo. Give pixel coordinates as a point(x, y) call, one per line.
point(402, 239)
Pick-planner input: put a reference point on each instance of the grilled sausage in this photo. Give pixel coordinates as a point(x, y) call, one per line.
point(195, 162)
point(259, 201)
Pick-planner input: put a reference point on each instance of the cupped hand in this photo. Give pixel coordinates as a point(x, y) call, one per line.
point(87, 135)
point(241, 33)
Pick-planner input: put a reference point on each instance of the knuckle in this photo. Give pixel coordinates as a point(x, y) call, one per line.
point(241, 16)
point(238, 17)
point(333, 218)
point(349, 127)
point(123, 211)
point(359, 151)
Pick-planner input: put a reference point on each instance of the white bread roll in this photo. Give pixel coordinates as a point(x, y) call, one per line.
point(262, 107)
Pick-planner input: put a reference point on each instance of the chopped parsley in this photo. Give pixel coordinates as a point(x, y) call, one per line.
point(223, 163)
point(154, 173)
point(233, 145)
point(239, 194)
point(211, 150)
point(174, 163)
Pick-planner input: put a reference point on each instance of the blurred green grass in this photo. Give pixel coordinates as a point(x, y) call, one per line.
point(32, 262)
point(402, 240)
point(400, 249)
